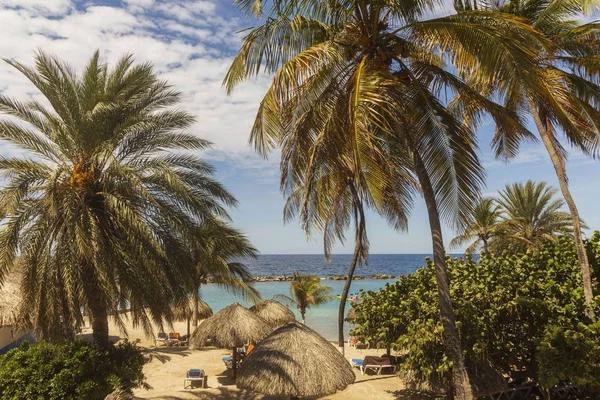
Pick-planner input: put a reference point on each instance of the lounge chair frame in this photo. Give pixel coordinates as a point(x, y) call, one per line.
point(191, 380)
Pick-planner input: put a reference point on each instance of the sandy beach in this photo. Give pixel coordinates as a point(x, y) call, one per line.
point(166, 371)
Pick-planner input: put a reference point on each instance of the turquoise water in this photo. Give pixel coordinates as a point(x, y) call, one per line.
point(323, 319)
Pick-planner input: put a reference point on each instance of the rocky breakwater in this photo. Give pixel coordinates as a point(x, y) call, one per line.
point(286, 278)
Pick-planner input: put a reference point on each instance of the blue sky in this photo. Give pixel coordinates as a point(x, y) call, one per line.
point(192, 44)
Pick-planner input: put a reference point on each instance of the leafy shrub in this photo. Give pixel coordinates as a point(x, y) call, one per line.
point(74, 370)
point(561, 353)
point(524, 310)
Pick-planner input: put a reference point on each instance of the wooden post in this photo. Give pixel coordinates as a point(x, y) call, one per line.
point(234, 366)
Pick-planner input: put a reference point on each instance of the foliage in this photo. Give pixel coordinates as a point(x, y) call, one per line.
point(522, 310)
point(532, 216)
point(306, 292)
point(562, 350)
point(481, 226)
point(525, 216)
point(103, 198)
point(75, 370)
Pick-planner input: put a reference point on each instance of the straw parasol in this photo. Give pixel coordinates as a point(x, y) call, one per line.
point(10, 299)
point(184, 311)
point(230, 328)
point(295, 361)
point(275, 313)
point(351, 315)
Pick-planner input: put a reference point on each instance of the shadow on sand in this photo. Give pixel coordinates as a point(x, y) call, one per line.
point(163, 354)
point(411, 394)
point(220, 393)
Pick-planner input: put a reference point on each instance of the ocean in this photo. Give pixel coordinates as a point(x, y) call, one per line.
point(323, 319)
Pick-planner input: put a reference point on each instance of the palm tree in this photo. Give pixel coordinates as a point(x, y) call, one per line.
point(306, 292)
point(356, 98)
point(103, 188)
point(531, 217)
point(217, 258)
point(568, 104)
point(481, 226)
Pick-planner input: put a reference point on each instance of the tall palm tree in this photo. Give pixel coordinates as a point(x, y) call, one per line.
point(356, 98)
point(531, 217)
point(568, 105)
point(306, 291)
point(481, 226)
point(103, 188)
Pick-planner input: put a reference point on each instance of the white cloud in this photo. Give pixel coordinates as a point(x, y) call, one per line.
point(190, 43)
point(43, 7)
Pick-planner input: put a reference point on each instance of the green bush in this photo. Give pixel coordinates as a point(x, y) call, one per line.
point(74, 370)
point(524, 310)
point(570, 354)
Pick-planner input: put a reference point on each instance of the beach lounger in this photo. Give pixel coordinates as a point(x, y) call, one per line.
point(194, 375)
point(174, 339)
point(376, 364)
point(161, 338)
point(356, 362)
point(228, 361)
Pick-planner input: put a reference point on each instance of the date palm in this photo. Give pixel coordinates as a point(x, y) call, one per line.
point(306, 291)
point(356, 98)
point(532, 216)
point(480, 227)
point(569, 105)
point(103, 186)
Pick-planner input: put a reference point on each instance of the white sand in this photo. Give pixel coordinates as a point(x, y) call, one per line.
point(166, 370)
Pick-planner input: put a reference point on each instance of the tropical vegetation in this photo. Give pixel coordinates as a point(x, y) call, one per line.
point(532, 216)
point(525, 216)
point(103, 198)
point(515, 312)
point(357, 106)
point(74, 370)
point(216, 257)
point(481, 226)
point(306, 291)
point(567, 105)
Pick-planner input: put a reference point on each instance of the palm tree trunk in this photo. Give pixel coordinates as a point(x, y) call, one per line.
point(462, 386)
point(97, 309)
point(485, 244)
point(99, 316)
point(302, 313)
point(545, 131)
point(342, 309)
point(196, 301)
point(359, 217)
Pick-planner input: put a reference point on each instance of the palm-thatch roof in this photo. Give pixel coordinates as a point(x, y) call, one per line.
point(295, 361)
point(275, 313)
point(485, 381)
point(233, 326)
point(351, 315)
point(184, 310)
point(10, 299)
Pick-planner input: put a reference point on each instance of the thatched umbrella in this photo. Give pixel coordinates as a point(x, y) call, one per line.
point(351, 315)
point(10, 299)
point(230, 328)
point(275, 313)
point(184, 311)
point(295, 361)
